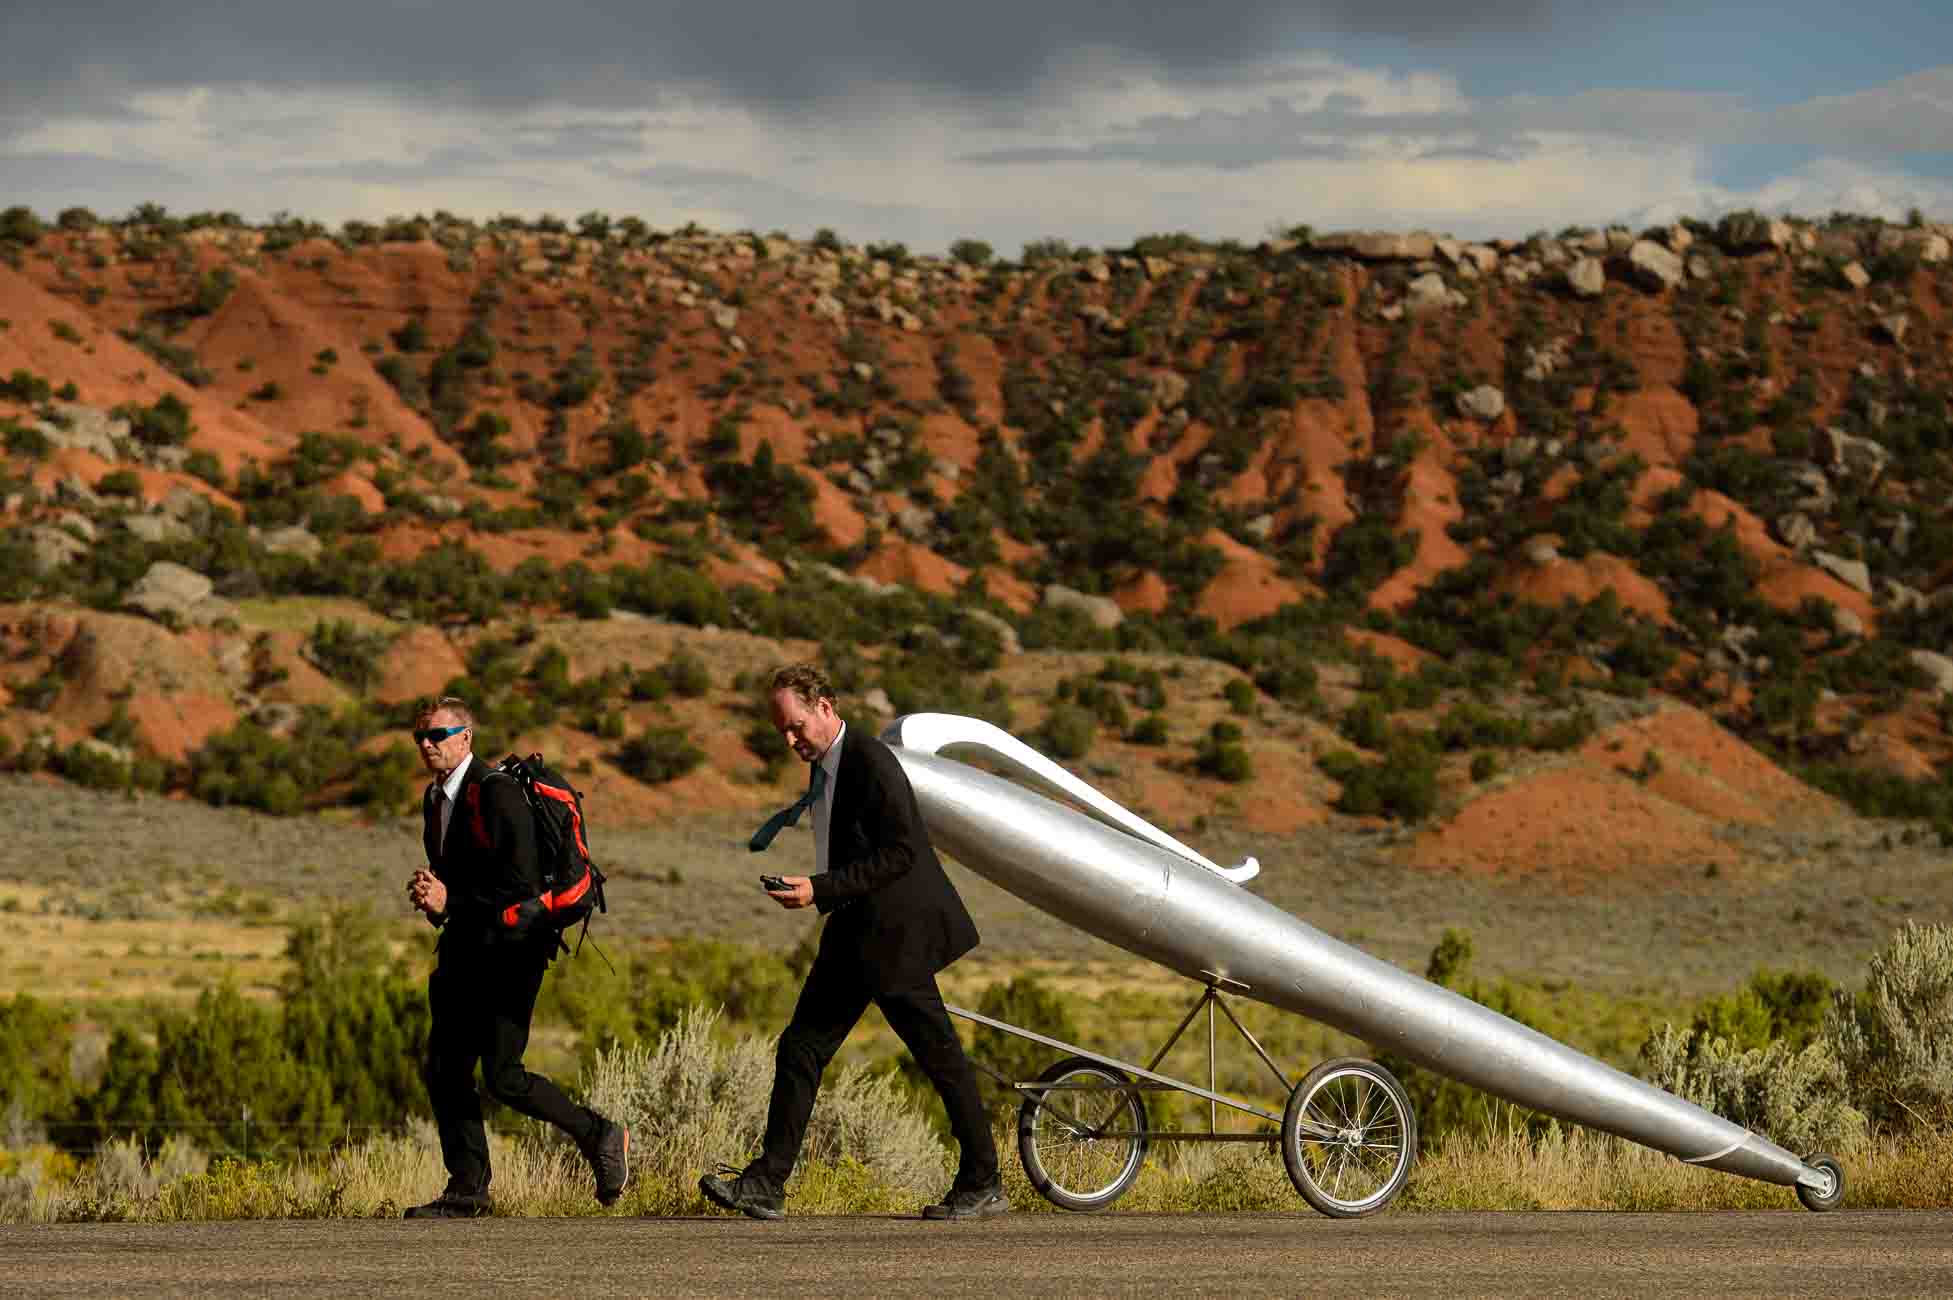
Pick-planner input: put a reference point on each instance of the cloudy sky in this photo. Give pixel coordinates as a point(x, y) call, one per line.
point(1092, 121)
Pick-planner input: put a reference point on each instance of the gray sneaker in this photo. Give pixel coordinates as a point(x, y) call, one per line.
point(970, 1203)
point(750, 1196)
point(610, 1160)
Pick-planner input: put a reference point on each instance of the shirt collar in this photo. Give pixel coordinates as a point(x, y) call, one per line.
point(452, 786)
point(831, 760)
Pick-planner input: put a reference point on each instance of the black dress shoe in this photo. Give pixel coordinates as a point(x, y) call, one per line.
point(970, 1203)
point(453, 1205)
point(610, 1159)
point(750, 1196)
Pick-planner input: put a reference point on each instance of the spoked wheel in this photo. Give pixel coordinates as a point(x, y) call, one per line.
point(1082, 1139)
point(1831, 1195)
point(1348, 1138)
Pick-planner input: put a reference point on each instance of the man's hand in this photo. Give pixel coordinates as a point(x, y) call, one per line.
point(799, 892)
point(427, 893)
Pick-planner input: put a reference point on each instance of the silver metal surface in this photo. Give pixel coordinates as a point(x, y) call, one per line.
point(1120, 879)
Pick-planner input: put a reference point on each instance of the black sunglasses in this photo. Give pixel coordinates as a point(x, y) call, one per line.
point(435, 735)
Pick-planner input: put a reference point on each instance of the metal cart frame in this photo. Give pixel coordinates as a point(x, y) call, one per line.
point(1348, 1134)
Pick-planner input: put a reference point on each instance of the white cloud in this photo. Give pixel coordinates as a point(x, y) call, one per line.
point(1112, 147)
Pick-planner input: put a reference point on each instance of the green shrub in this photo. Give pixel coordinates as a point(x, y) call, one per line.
point(120, 483)
point(19, 225)
point(1470, 725)
point(26, 440)
point(1029, 1003)
point(165, 423)
point(1068, 731)
point(686, 674)
point(347, 652)
point(691, 1096)
point(1792, 1096)
point(1222, 756)
point(659, 755)
point(1366, 723)
point(764, 742)
point(35, 1038)
point(26, 387)
point(202, 464)
point(1894, 1037)
point(1402, 784)
point(341, 1051)
point(1240, 694)
point(1149, 730)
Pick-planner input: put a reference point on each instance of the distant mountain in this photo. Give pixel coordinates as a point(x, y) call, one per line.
point(1424, 501)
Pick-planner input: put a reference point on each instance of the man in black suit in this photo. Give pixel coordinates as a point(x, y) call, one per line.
point(481, 853)
point(893, 921)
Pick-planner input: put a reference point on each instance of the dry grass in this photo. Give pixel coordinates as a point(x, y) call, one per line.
point(88, 948)
point(1575, 1170)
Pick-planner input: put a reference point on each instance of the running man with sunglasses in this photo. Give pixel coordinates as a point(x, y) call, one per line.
point(481, 857)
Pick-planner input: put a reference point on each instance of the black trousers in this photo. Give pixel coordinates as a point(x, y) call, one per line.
point(831, 1002)
point(480, 1001)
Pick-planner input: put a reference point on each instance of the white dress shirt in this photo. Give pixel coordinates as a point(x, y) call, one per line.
point(451, 788)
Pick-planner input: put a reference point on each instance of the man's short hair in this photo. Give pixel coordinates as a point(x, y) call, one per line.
point(808, 683)
point(446, 704)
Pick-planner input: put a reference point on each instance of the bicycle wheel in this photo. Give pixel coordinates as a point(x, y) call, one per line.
point(1083, 1139)
point(1348, 1138)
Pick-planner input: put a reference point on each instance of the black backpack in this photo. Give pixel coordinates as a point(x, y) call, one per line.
point(573, 888)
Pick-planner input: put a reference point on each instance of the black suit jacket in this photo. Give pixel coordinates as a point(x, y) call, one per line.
point(891, 909)
point(489, 861)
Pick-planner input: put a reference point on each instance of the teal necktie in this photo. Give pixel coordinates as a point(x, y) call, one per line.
point(790, 816)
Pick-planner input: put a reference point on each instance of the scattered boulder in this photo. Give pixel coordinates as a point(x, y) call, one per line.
point(1103, 611)
point(293, 540)
point(1482, 403)
point(1849, 454)
point(1541, 553)
point(157, 529)
point(1897, 595)
point(1377, 245)
point(1936, 666)
point(85, 428)
point(1429, 293)
point(172, 594)
point(1746, 232)
point(54, 548)
point(1796, 530)
point(1006, 634)
point(1813, 489)
point(1852, 573)
point(1654, 267)
point(1169, 389)
point(1855, 275)
point(1586, 278)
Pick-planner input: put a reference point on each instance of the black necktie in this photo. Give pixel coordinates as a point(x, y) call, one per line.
point(790, 816)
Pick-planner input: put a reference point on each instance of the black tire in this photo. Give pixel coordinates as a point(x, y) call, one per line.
point(1821, 1199)
point(1082, 1144)
point(1349, 1137)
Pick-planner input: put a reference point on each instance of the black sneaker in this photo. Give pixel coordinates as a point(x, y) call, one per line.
point(453, 1205)
point(751, 1196)
point(970, 1203)
point(610, 1159)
